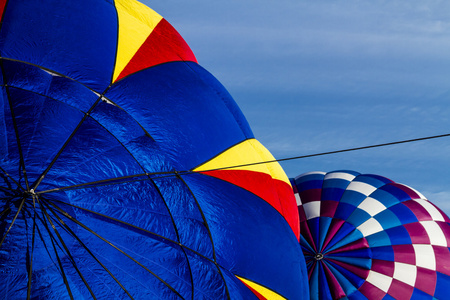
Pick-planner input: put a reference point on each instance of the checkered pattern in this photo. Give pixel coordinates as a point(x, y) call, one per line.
point(393, 241)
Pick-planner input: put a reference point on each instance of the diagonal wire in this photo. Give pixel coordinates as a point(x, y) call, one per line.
point(67, 250)
point(114, 246)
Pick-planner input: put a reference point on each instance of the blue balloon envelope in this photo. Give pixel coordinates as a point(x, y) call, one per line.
point(105, 115)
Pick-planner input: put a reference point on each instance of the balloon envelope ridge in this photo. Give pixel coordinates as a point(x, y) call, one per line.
point(366, 237)
point(107, 122)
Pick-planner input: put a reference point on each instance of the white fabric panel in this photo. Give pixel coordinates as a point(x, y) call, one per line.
point(370, 227)
point(371, 206)
point(361, 187)
point(312, 209)
point(437, 237)
point(431, 209)
point(340, 175)
point(297, 199)
point(310, 173)
point(425, 257)
point(405, 273)
point(379, 280)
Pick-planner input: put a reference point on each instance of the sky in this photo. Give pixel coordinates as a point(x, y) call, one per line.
point(319, 76)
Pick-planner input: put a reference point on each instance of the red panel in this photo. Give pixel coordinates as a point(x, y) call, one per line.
point(163, 45)
point(2, 8)
point(277, 193)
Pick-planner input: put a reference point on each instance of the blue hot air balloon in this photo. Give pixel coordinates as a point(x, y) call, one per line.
point(113, 141)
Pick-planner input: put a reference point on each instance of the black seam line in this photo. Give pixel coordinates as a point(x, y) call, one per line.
point(6, 189)
point(68, 252)
point(43, 95)
point(115, 247)
point(53, 240)
point(86, 115)
point(30, 269)
point(136, 227)
point(13, 221)
point(90, 89)
point(16, 129)
point(68, 229)
point(210, 236)
point(9, 176)
point(120, 145)
point(177, 233)
point(275, 292)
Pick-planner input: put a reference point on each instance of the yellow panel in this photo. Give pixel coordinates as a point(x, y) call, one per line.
point(247, 152)
point(136, 23)
point(268, 294)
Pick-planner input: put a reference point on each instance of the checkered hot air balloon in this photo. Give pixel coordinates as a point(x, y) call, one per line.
point(112, 143)
point(367, 237)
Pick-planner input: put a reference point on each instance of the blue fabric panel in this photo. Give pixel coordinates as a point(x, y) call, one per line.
point(38, 34)
point(92, 154)
point(178, 110)
point(351, 277)
point(236, 219)
point(309, 177)
point(186, 215)
point(364, 263)
point(420, 295)
point(396, 192)
point(336, 183)
point(403, 213)
point(344, 210)
point(357, 295)
point(383, 253)
point(314, 283)
point(372, 180)
point(9, 150)
point(343, 280)
point(358, 217)
point(378, 239)
point(388, 297)
point(324, 291)
point(308, 185)
point(324, 226)
point(442, 284)
point(360, 253)
point(306, 245)
point(353, 197)
point(387, 219)
point(345, 230)
point(236, 288)
point(43, 125)
point(386, 198)
point(350, 238)
point(130, 134)
point(399, 236)
point(334, 194)
point(314, 228)
point(34, 79)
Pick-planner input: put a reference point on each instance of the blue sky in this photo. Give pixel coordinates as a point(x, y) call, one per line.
point(317, 76)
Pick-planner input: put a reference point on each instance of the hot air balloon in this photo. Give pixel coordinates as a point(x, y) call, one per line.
point(367, 237)
point(115, 156)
